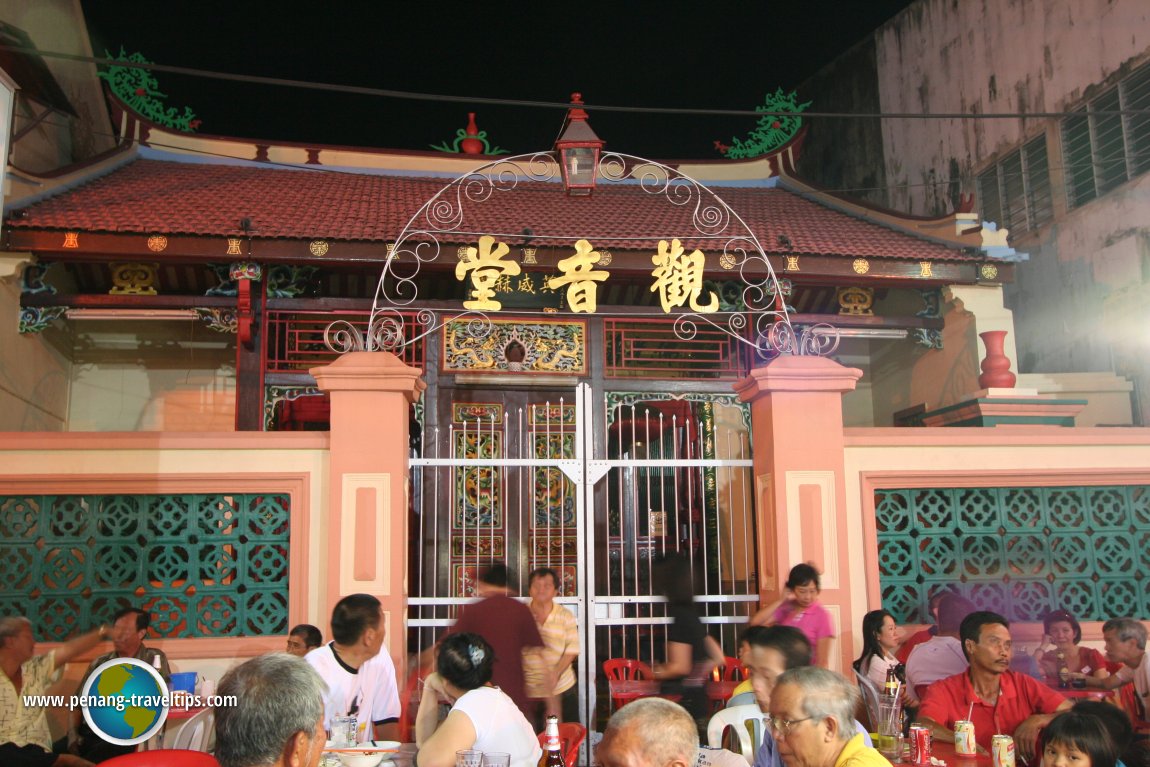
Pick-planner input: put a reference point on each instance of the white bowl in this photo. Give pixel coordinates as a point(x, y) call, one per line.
point(366, 755)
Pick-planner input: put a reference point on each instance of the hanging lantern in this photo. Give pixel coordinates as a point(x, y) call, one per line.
point(578, 148)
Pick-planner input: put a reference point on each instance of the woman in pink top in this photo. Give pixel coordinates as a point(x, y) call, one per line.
point(801, 609)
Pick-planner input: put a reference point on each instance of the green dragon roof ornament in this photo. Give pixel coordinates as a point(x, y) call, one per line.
point(778, 125)
point(140, 91)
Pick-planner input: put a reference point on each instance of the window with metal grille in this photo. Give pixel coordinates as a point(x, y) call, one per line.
point(1015, 191)
point(1020, 551)
point(1101, 148)
point(641, 348)
point(295, 340)
point(203, 565)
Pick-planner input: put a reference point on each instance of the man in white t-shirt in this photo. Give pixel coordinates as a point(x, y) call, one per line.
point(360, 679)
point(941, 655)
point(1126, 644)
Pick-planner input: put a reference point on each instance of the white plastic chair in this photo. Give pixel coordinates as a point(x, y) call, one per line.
point(195, 733)
point(747, 722)
point(870, 699)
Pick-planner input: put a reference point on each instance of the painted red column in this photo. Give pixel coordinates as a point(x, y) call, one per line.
point(366, 546)
point(797, 427)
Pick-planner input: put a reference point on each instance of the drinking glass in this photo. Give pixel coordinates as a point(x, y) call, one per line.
point(343, 731)
point(468, 758)
point(496, 759)
point(890, 727)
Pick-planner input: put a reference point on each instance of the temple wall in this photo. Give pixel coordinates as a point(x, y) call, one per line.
point(34, 372)
point(182, 463)
point(151, 376)
point(973, 457)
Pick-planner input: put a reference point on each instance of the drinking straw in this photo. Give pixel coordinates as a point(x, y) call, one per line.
point(896, 709)
point(970, 711)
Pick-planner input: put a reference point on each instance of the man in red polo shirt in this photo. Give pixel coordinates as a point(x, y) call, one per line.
point(998, 700)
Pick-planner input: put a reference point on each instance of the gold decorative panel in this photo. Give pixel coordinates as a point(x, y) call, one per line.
point(558, 347)
point(133, 279)
point(856, 301)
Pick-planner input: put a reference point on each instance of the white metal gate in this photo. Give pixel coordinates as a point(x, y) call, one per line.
point(596, 490)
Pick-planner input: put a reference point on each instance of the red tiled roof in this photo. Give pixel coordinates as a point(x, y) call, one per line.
point(174, 198)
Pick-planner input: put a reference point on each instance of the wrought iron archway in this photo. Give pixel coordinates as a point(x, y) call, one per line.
point(761, 323)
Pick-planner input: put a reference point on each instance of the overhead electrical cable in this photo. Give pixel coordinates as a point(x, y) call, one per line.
point(557, 105)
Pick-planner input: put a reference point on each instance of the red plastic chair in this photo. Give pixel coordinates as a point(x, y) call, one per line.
point(724, 679)
point(164, 757)
point(732, 670)
point(409, 703)
point(629, 680)
point(571, 735)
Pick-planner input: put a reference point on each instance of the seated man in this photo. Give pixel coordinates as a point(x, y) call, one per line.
point(25, 740)
point(940, 656)
point(927, 633)
point(303, 639)
point(360, 679)
point(811, 717)
point(650, 732)
point(996, 699)
point(279, 721)
point(129, 627)
point(772, 651)
point(1126, 644)
point(744, 694)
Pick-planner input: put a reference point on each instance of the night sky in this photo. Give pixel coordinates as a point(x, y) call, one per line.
point(673, 54)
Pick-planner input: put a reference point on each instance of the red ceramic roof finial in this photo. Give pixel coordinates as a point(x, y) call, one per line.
point(576, 112)
point(471, 144)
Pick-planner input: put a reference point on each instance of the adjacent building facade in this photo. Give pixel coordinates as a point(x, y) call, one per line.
point(1064, 172)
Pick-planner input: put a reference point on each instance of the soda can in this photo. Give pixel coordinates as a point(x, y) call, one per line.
point(964, 743)
point(1002, 751)
point(919, 744)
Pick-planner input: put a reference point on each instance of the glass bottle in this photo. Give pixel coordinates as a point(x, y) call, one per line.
point(1063, 671)
point(553, 754)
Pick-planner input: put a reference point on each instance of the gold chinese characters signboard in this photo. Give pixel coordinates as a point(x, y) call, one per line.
point(677, 277)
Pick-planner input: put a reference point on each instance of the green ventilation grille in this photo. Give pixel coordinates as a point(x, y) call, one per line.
point(202, 565)
point(1020, 551)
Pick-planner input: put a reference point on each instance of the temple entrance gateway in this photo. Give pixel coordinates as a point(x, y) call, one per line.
point(597, 487)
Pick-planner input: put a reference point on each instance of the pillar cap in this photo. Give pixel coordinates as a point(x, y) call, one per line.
point(797, 374)
point(370, 371)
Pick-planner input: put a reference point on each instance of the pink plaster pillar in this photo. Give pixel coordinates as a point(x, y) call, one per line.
point(797, 427)
point(366, 530)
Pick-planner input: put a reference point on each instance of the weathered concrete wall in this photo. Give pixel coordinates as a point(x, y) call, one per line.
point(845, 155)
point(1080, 304)
point(57, 26)
point(982, 56)
point(1077, 302)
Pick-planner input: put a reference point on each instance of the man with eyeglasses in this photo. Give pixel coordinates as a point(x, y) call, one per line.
point(996, 699)
point(772, 651)
point(811, 717)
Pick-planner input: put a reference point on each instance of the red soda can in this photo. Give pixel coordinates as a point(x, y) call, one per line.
point(919, 744)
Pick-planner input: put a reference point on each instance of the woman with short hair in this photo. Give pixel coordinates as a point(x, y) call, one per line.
point(1060, 650)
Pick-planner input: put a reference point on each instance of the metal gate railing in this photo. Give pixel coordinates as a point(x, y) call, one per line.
point(527, 488)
